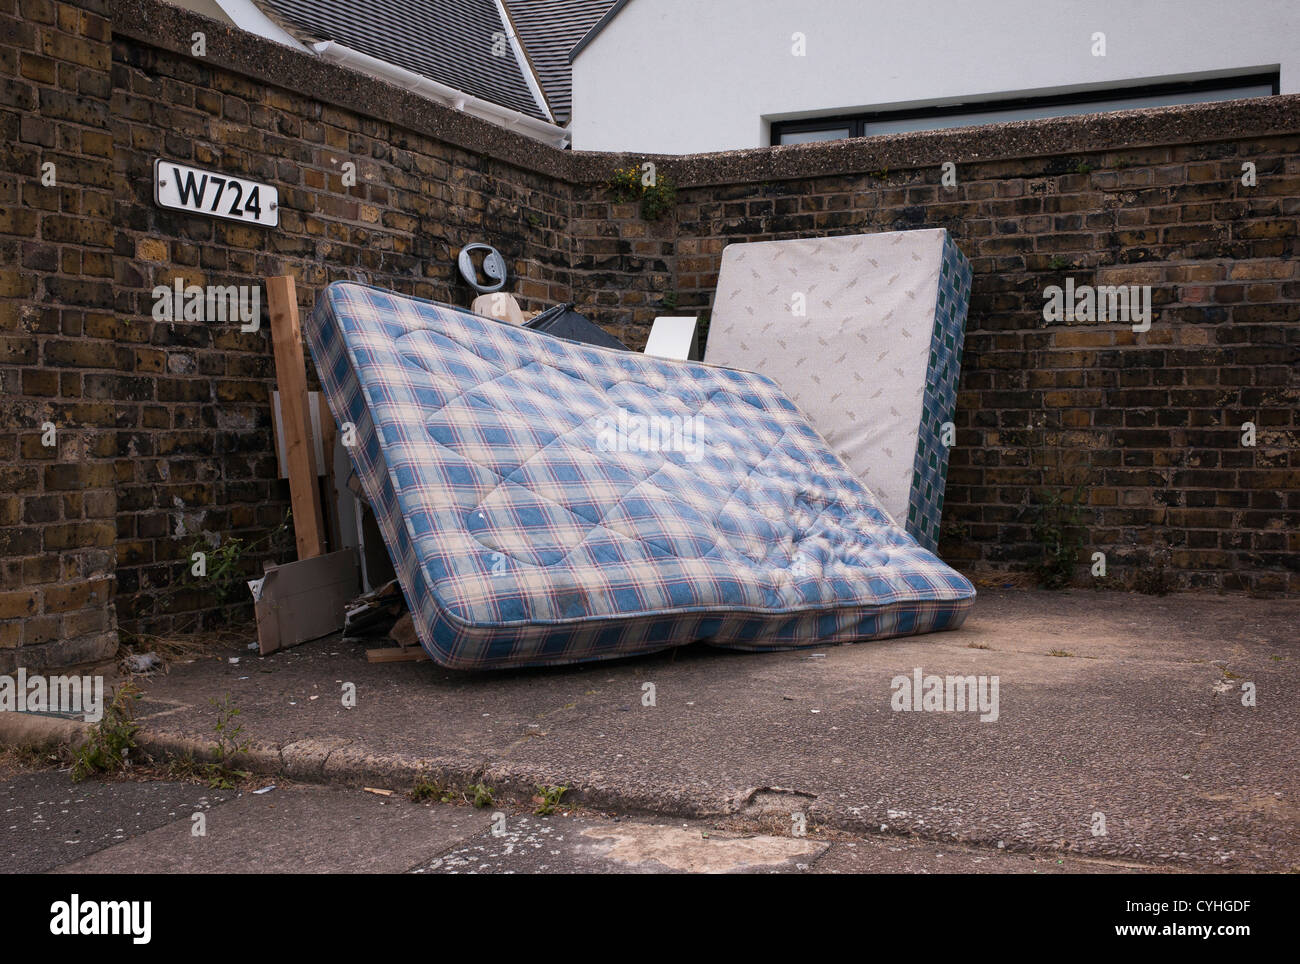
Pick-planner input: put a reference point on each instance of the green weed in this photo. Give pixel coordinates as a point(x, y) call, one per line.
point(549, 799)
point(112, 739)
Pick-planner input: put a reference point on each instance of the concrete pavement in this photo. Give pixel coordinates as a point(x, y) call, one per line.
point(1123, 734)
point(130, 826)
point(47, 821)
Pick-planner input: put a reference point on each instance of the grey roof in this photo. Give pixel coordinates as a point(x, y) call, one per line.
point(597, 27)
point(449, 41)
point(549, 29)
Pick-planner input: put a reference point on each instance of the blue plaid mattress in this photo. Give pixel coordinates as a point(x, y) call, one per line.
point(549, 502)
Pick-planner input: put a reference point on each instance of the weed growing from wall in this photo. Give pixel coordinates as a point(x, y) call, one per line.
point(657, 195)
point(1056, 529)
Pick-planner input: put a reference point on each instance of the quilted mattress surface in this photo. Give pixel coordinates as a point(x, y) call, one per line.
point(865, 334)
point(549, 502)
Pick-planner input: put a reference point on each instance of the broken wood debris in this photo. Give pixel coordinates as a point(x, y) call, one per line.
point(373, 613)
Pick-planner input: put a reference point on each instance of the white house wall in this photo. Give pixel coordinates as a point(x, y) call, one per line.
point(681, 76)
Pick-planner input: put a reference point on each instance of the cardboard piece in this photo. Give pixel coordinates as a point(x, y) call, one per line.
point(304, 600)
point(403, 632)
point(674, 336)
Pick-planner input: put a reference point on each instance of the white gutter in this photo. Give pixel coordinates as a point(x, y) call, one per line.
point(539, 130)
point(245, 15)
point(525, 65)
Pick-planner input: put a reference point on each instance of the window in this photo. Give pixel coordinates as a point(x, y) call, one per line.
point(997, 111)
point(790, 134)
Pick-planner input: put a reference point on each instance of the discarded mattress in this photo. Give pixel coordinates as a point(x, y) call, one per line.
point(865, 334)
point(549, 502)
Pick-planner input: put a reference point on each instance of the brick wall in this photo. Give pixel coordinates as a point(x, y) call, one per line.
point(195, 440)
point(57, 351)
point(624, 267)
point(1148, 424)
point(163, 428)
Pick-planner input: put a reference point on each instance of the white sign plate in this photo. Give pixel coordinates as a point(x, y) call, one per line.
point(216, 195)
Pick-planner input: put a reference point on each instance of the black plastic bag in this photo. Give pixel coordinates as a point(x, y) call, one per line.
point(564, 321)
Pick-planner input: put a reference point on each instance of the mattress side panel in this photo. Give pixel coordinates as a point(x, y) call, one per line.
point(930, 470)
point(327, 341)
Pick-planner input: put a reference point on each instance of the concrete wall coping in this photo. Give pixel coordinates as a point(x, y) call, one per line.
point(1013, 140)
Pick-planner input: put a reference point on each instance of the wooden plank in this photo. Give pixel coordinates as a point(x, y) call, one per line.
point(395, 654)
point(280, 471)
point(291, 377)
point(318, 429)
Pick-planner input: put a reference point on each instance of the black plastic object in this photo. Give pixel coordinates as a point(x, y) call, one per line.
point(564, 322)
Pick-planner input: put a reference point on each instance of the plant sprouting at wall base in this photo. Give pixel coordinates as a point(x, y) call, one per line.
point(1057, 530)
point(223, 565)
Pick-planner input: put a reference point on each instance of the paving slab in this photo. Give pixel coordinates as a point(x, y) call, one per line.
point(294, 830)
point(568, 844)
point(894, 855)
point(1121, 733)
point(46, 820)
point(592, 844)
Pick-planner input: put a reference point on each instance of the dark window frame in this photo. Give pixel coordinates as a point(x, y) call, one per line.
point(857, 123)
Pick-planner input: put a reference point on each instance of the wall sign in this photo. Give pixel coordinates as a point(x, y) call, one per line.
point(216, 195)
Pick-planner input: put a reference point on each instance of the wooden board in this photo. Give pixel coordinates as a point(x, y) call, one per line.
point(396, 654)
point(320, 426)
point(291, 377)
